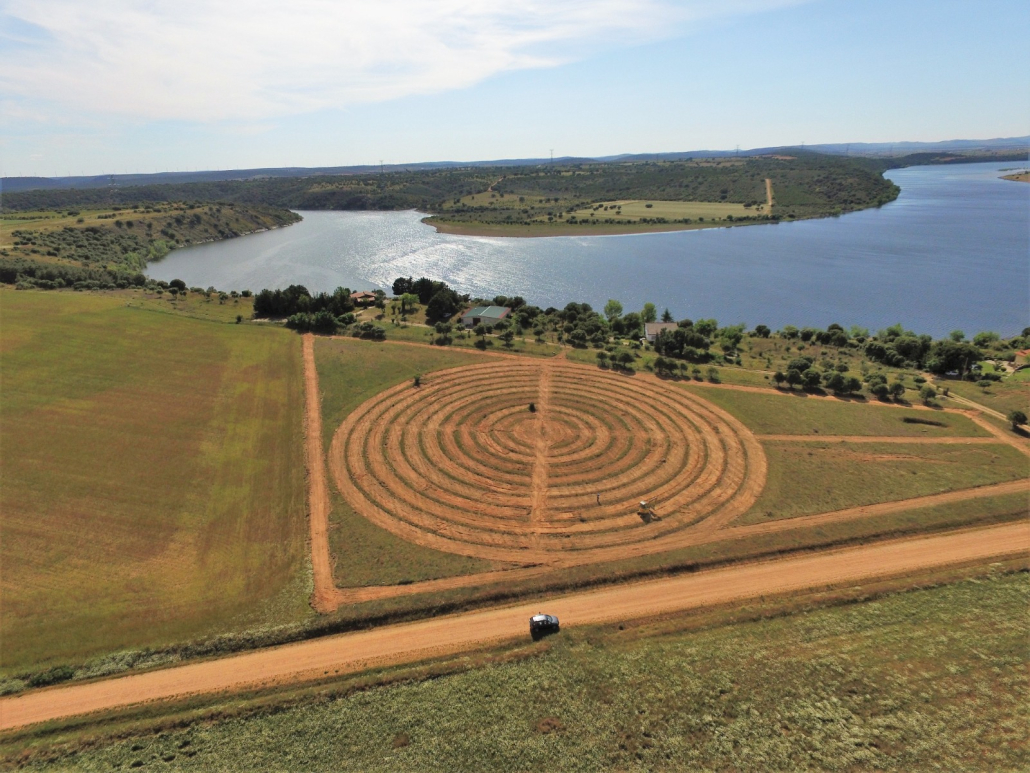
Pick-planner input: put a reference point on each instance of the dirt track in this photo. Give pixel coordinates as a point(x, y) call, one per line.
point(324, 598)
point(447, 635)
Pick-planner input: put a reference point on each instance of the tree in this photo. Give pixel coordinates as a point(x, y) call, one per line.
point(957, 336)
point(1016, 418)
point(811, 378)
point(667, 316)
point(793, 377)
point(927, 393)
point(713, 374)
point(835, 381)
point(852, 385)
point(649, 313)
point(706, 327)
point(408, 301)
point(443, 331)
point(897, 390)
point(762, 331)
point(612, 310)
point(625, 359)
point(507, 336)
point(380, 302)
point(442, 305)
point(779, 378)
point(602, 358)
point(880, 390)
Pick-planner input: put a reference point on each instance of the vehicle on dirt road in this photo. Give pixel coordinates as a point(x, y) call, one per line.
point(542, 625)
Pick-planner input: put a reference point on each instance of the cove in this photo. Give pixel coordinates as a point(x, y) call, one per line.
point(951, 252)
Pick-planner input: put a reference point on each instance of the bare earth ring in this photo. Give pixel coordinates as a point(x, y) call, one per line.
point(464, 464)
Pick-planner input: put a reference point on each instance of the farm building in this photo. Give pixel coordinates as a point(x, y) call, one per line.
point(652, 329)
point(486, 315)
point(363, 297)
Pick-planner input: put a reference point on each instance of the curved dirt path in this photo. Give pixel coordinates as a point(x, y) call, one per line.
point(412, 642)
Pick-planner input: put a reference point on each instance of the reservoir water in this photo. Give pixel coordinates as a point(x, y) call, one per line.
point(952, 252)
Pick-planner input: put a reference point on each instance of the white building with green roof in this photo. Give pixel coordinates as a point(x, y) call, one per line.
point(486, 315)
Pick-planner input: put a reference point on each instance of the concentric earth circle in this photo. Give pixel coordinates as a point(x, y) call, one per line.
point(463, 463)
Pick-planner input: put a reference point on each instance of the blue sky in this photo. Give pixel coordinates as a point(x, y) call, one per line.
point(115, 86)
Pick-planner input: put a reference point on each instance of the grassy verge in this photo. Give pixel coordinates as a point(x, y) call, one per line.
point(809, 478)
point(153, 478)
point(797, 414)
point(869, 678)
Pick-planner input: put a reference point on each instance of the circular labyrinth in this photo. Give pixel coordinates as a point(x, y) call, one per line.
point(462, 464)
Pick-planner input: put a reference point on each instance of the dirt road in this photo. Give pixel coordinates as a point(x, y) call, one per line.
point(447, 635)
point(324, 597)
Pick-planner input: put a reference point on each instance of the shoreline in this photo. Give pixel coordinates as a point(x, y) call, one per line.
point(543, 231)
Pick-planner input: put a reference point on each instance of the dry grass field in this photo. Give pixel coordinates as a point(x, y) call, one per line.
point(632, 210)
point(153, 480)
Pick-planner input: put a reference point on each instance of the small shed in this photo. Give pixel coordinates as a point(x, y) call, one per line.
point(652, 329)
point(486, 315)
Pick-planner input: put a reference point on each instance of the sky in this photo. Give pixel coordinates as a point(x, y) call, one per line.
point(137, 86)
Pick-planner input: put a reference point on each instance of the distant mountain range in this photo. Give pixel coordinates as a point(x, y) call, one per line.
point(883, 149)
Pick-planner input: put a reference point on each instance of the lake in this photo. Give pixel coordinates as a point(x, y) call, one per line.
point(952, 252)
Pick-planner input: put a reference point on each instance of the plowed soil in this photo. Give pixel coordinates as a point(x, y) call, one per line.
point(463, 464)
point(447, 635)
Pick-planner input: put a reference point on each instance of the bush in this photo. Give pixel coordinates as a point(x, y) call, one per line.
point(51, 676)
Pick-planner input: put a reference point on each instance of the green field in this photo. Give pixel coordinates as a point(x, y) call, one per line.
point(799, 414)
point(153, 478)
point(930, 679)
point(810, 478)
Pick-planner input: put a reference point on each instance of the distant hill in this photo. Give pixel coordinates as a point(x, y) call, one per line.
point(885, 149)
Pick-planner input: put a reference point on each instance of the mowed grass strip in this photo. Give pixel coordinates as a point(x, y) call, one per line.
point(153, 478)
point(797, 414)
point(350, 372)
point(930, 679)
point(809, 478)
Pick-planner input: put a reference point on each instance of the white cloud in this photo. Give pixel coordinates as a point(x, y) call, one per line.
point(227, 59)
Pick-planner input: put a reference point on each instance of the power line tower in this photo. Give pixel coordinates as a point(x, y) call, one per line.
point(552, 156)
